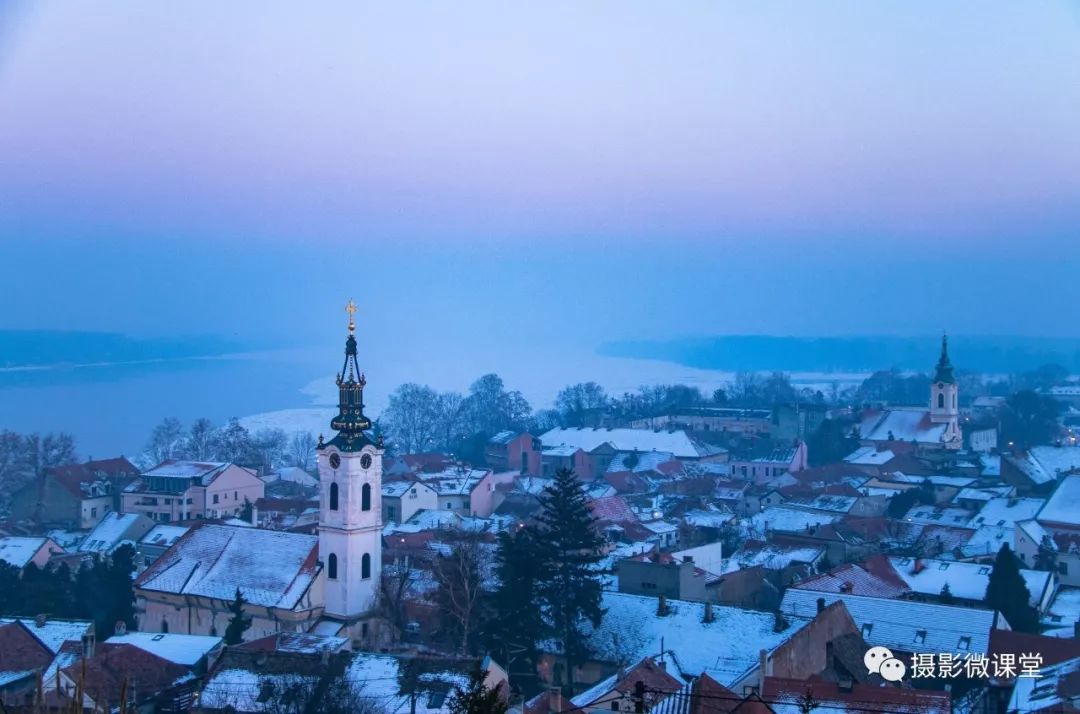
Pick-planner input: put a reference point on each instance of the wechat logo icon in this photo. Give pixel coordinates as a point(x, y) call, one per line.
point(880, 660)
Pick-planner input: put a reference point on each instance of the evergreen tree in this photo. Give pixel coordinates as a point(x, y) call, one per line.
point(946, 595)
point(1008, 593)
point(247, 512)
point(569, 589)
point(1046, 557)
point(476, 698)
point(238, 623)
point(517, 623)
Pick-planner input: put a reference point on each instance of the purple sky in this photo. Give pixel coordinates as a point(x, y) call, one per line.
point(656, 168)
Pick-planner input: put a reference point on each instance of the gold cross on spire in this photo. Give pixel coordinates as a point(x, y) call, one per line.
point(351, 309)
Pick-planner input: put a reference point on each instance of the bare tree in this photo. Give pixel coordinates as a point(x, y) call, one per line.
point(270, 444)
point(200, 440)
point(397, 579)
point(43, 453)
point(302, 450)
point(412, 417)
point(460, 576)
point(166, 441)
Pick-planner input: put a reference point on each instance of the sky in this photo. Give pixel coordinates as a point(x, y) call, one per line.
point(527, 173)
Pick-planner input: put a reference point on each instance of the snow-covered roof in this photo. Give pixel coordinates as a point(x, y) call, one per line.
point(869, 456)
point(823, 502)
point(242, 689)
point(677, 443)
point(788, 520)
point(54, 633)
point(707, 518)
point(901, 424)
point(186, 469)
point(936, 479)
point(989, 539)
point(20, 550)
point(726, 648)
point(112, 531)
point(1063, 506)
point(772, 556)
point(904, 625)
point(1064, 609)
point(379, 675)
point(163, 535)
point(181, 649)
point(645, 461)
point(1007, 511)
point(965, 580)
point(397, 489)
point(1054, 689)
point(932, 515)
point(984, 494)
point(271, 568)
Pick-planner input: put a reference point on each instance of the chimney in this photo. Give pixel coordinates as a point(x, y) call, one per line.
point(846, 586)
point(121, 628)
point(662, 606)
point(711, 617)
point(763, 664)
point(39, 621)
point(821, 604)
point(780, 622)
point(88, 645)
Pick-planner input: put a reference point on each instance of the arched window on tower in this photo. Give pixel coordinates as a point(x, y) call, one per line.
point(954, 400)
point(331, 567)
point(365, 497)
point(941, 400)
point(333, 497)
point(365, 567)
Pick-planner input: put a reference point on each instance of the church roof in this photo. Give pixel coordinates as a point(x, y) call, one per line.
point(901, 424)
point(271, 568)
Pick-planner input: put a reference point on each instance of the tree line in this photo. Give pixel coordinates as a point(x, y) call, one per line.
point(231, 442)
point(26, 457)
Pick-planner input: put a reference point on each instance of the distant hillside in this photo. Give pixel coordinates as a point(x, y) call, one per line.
point(852, 354)
point(43, 348)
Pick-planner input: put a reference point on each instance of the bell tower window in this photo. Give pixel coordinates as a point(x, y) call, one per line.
point(365, 497)
point(331, 566)
point(941, 400)
point(333, 497)
point(365, 567)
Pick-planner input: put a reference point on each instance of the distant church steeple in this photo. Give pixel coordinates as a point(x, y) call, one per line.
point(350, 422)
point(945, 399)
point(944, 372)
point(350, 502)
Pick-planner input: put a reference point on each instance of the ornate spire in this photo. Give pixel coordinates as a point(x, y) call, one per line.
point(944, 372)
point(350, 422)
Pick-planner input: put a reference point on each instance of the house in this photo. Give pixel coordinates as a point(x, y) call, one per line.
point(905, 626)
point(186, 490)
point(195, 652)
point(1040, 468)
point(617, 692)
point(656, 573)
point(1006, 511)
point(766, 468)
point(600, 447)
point(188, 589)
point(74, 495)
point(792, 561)
point(401, 499)
point(514, 451)
point(874, 578)
point(21, 551)
point(927, 578)
point(724, 642)
point(115, 530)
point(733, 421)
point(23, 658)
point(787, 696)
point(1062, 546)
point(462, 490)
point(158, 540)
point(1055, 690)
point(115, 672)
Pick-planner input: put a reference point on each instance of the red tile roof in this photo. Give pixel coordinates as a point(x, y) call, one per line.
point(875, 578)
point(860, 698)
point(112, 665)
point(20, 650)
point(612, 509)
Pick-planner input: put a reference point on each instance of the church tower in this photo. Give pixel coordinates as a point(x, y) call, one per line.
point(350, 503)
point(945, 398)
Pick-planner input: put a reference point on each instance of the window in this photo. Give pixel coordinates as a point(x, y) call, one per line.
point(363, 629)
point(93, 512)
point(365, 497)
point(615, 705)
point(164, 626)
point(215, 498)
point(648, 586)
point(943, 566)
point(391, 513)
point(866, 629)
point(331, 566)
point(940, 401)
point(333, 497)
point(920, 636)
point(1063, 568)
point(524, 461)
point(235, 496)
point(365, 567)
point(984, 570)
point(449, 505)
point(964, 643)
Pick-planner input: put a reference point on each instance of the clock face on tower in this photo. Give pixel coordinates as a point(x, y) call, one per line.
point(365, 461)
point(335, 461)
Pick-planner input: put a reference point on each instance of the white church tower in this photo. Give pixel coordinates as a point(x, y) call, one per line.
point(945, 399)
point(350, 506)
